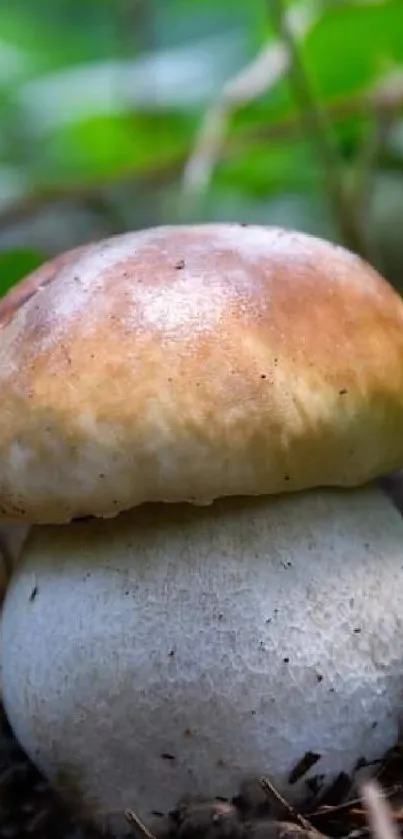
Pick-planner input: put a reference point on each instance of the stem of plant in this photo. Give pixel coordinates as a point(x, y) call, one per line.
point(319, 130)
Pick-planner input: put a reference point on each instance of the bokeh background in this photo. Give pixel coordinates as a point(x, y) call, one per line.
point(120, 114)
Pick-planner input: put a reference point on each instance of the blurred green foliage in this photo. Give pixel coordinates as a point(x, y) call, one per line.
point(101, 101)
point(16, 264)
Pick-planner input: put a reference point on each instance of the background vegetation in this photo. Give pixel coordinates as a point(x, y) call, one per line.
point(119, 114)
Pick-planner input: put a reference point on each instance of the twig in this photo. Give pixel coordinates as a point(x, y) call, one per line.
point(135, 822)
point(379, 814)
point(319, 130)
point(331, 809)
point(358, 833)
point(258, 77)
point(362, 181)
point(384, 104)
point(34, 202)
point(272, 792)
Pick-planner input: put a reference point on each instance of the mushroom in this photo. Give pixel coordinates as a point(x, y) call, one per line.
point(193, 420)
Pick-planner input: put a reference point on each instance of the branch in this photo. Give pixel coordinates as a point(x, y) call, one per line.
point(385, 101)
point(319, 129)
point(86, 192)
point(261, 75)
point(379, 814)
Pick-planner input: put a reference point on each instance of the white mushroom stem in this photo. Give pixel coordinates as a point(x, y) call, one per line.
point(176, 650)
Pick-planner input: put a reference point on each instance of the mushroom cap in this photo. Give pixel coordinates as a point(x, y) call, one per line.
point(194, 362)
point(176, 651)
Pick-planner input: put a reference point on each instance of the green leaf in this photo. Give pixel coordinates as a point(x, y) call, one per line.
point(347, 52)
point(272, 168)
point(114, 146)
point(353, 45)
point(16, 264)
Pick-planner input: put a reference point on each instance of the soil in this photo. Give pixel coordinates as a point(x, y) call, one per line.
point(29, 808)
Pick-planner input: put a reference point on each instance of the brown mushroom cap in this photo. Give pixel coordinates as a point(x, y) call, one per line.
point(190, 363)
